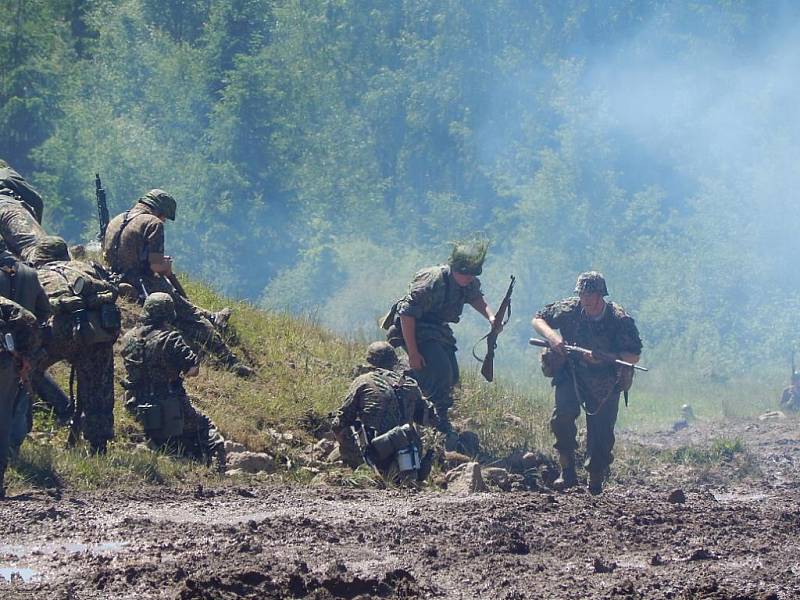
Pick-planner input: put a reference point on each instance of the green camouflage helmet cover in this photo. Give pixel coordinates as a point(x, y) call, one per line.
point(48, 249)
point(467, 256)
point(382, 355)
point(591, 282)
point(159, 307)
point(160, 201)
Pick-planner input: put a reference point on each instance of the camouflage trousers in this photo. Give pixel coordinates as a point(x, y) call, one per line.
point(193, 322)
point(438, 378)
point(9, 386)
point(94, 378)
point(200, 440)
point(601, 418)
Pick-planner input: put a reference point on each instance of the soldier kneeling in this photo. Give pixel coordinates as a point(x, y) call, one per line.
point(376, 423)
point(156, 359)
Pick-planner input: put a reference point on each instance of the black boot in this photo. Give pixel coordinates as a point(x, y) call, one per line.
point(568, 477)
point(596, 480)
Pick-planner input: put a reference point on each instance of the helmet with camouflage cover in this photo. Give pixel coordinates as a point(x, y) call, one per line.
point(467, 256)
point(381, 355)
point(591, 282)
point(159, 307)
point(48, 249)
point(160, 201)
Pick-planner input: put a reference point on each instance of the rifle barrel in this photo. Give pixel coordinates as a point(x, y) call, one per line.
point(579, 350)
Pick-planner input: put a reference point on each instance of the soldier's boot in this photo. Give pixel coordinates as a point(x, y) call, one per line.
point(568, 477)
point(425, 466)
point(98, 447)
point(596, 480)
point(220, 460)
point(237, 367)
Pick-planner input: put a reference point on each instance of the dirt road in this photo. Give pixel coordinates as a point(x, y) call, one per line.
point(732, 537)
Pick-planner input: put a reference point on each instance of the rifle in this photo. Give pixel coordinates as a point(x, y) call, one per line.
point(362, 442)
point(176, 285)
point(586, 352)
point(102, 207)
point(501, 317)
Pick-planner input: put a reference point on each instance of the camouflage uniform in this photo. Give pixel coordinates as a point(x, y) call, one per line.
point(594, 386)
point(434, 299)
point(22, 325)
point(85, 327)
point(129, 240)
point(19, 283)
point(18, 226)
point(155, 357)
point(381, 399)
point(790, 399)
point(14, 184)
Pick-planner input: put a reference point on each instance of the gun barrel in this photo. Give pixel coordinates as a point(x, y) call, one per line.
point(579, 350)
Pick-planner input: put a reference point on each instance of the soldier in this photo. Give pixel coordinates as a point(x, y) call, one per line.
point(790, 399)
point(133, 247)
point(156, 359)
point(591, 322)
point(19, 283)
point(19, 225)
point(420, 323)
point(17, 349)
point(384, 400)
point(13, 184)
point(86, 323)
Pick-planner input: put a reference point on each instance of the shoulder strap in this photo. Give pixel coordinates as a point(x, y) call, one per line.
point(114, 250)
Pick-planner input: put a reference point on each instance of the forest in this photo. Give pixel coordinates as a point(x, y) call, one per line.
point(322, 151)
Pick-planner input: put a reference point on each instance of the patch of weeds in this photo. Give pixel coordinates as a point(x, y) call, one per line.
point(720, 450)
point(36, 465)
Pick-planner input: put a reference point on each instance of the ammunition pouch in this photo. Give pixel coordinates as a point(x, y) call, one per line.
point(624, 378)
point(89, 326)
point(551, 362)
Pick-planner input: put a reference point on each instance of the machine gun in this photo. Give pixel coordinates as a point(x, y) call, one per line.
point(500, 319)
point(102, 207)
point(604, 356)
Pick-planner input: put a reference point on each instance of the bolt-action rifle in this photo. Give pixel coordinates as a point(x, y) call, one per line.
point(102, 207)
point(604, 356)
point(362, 442)
point(501, 317)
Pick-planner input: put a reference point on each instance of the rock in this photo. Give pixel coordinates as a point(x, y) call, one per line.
point(677, 496)
point(466, 479)
point(703, 554)
point(679, 424)
point(322, 449)
point(456, 458)
point(251, 462)
point(231, 447)
point(335, 454)
point(770, 415)
point(496, 476)
point(234, 473)
point(603, 567)
point(513, 419)
point(656, 560)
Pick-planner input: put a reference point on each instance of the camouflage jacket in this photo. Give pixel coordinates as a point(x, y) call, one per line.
point(14, 184)
point(434, 299)
point(20, 283)
point(18, 226)
point(614, 332)
point(381, 400)
point(22, 325)
point(60, 280)
point(130, 239)
point(155, 358)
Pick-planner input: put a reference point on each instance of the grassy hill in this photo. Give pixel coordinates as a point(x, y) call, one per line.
point(303, 372)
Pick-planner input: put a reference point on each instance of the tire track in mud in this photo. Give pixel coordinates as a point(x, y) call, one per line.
point(732, 540)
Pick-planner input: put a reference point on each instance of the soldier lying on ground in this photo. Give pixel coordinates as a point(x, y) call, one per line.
point(387, 404)
point(156, 359)
point(86, 323)
point(14, 184)
point(133, 247)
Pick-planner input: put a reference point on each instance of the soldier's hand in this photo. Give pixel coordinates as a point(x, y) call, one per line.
point(558, 345)
point(415, 361)
point(496, 324)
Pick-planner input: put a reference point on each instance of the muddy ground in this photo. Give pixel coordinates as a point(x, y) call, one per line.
point(732, 538)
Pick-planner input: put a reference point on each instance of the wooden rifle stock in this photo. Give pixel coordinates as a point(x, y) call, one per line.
point(501, 317)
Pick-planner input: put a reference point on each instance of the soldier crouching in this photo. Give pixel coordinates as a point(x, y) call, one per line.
point(156, 359)
point(376, 423)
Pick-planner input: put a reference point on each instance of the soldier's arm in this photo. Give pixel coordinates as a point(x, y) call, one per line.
point(630, 344)
point(551, 335)
point(350, 410)
point(408, 325)
point(154, 240)
point(480, 305)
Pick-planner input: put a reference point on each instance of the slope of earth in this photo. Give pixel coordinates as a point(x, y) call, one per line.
point(731, 535)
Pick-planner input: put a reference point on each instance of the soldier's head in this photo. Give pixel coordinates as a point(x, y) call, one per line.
point(50, 248)
point(161, 202)
point(466, 259)
point(381, 355)
point(591, 287)
point(158, 308)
